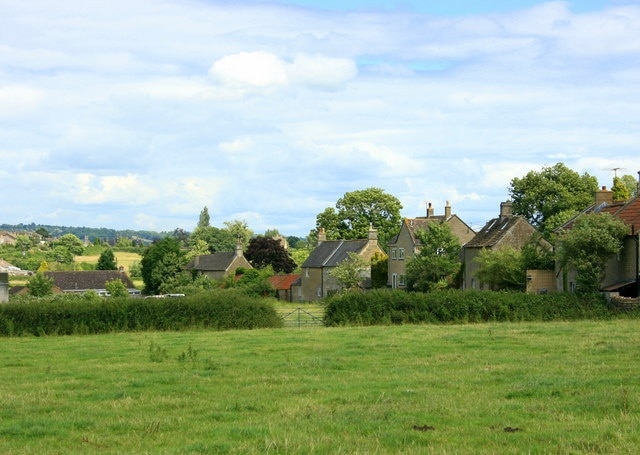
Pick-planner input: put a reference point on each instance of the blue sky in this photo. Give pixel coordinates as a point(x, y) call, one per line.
point(136, 115)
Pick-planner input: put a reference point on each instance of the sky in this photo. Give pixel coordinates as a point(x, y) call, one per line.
point(138, 114)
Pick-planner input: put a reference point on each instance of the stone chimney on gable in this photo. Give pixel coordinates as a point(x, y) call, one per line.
point(603, 196)
point(373, 234)
point(322, 235)
point(447, 211)
point(239, 248)
point(506, 209)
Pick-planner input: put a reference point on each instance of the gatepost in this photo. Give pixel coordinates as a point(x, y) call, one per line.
point(4, 287)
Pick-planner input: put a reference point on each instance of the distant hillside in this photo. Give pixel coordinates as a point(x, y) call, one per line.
point(104, 234)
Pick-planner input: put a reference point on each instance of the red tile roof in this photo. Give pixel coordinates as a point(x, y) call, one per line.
point(283, 282)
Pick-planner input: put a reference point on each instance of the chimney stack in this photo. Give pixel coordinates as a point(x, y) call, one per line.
point(429, 210)
point(604, 196)
point(447, 211)
point(506, 209)
point(373, 234)
point(322, 236)
point(239, 248)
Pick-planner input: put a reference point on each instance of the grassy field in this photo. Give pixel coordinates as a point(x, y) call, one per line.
point(562, 388)
point(123, 258)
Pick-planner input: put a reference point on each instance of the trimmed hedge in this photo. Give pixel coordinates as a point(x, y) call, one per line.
point(86, 314)
point(381, 307)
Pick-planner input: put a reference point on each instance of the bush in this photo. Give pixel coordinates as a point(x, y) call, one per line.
point(455, 306)
point(90, 314)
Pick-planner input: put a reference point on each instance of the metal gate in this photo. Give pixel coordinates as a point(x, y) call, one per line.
point(302, 318)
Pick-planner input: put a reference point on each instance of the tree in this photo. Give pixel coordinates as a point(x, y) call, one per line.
point(631, 184)
point(71, 243)
point(216, 239)
point(239, 230)
point(379, 268)
point(350, 273)
point(204, 220)
point(549, 198)
point(43, 233)
point(502, 269)
point(357, 211)
point(588, 245)
point(116, 288)
point(159, 262)
point(267, 251)
point(620, 190)
point(107, 260)
point(438, 261)
point(40, 285)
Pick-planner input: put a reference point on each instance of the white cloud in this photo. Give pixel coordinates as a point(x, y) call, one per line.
point(238, 145)
point(262, 69)
point(19, 100)
point(256, 69)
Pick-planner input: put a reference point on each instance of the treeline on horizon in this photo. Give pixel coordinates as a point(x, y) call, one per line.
point(103, 234)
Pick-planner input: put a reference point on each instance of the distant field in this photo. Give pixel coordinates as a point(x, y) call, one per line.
point(563, 388)
point(123, 258)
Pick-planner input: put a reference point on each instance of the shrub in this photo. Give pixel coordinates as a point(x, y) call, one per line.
point(454, 306)
point(89, 314)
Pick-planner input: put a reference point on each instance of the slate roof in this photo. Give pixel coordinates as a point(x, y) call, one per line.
point(330, 253)
point(283, 282)
point(87, 279)
point(216, 262)
point(493, 231)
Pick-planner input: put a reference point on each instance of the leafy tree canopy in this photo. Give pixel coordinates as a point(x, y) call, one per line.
point(357, 211)
point(204, 220)
point(71, 243)
point(502, 269)
point(350, 273)
point(40, 285)
point(107, 260)
point(116, 288)
point(588, 245)
point(267, 251)
point(159, 262)
point(630, 183)
point(438, 261)
point(549, 198)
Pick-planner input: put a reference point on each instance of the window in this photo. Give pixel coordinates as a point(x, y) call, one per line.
point(393, 253)
point(403, 280)
point(394, 280)
point(306, 273)
point(400, 253)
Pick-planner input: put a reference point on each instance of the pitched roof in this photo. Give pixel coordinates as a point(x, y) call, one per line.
point(216, 262)
point(630, 213)
point(283, 282)
point(493, 231)
point(626, 211)
point(332, 252)
point(87, 279)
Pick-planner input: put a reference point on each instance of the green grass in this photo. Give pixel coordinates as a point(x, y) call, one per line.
point(563, 388)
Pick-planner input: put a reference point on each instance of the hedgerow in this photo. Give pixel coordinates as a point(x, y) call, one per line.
point(454, 306)
point(86, 314)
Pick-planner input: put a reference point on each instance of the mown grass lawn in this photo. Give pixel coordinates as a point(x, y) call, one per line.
point(559, 388)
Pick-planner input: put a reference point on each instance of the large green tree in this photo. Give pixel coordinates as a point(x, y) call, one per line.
point(438, 261)
point(357, 211)
point(592, 240)
point(160, 262)
point(550, 197)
